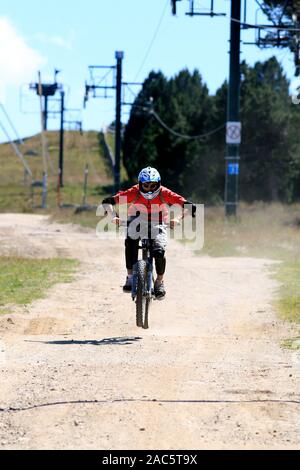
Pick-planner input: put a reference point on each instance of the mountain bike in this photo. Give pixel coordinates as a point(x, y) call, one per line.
point(143, 280)
point(143, 284)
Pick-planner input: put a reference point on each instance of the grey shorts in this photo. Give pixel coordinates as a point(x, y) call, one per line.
point(157, 233)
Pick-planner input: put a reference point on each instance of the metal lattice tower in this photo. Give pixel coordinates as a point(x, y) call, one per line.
point(104, 78)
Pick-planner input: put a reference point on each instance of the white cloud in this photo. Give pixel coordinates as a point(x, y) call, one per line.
point(65, 43)
point(18, 61)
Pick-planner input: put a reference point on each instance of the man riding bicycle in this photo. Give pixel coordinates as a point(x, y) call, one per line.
point(150, 201)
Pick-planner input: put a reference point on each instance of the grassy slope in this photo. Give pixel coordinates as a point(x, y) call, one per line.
point(79, 150)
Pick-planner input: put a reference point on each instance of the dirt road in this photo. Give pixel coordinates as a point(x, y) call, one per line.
point(209, 373)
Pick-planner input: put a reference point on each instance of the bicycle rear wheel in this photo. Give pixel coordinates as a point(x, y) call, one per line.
point(142, 299)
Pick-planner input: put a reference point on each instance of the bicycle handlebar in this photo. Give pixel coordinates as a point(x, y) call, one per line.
point(125, 224)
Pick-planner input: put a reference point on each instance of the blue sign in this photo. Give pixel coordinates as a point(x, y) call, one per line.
point(233, 168)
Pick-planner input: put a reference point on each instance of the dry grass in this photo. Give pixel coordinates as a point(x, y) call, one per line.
point(265, 231)
point(260, 230)
point(288, 303)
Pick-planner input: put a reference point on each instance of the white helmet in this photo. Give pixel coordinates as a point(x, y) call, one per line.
point(149, 183)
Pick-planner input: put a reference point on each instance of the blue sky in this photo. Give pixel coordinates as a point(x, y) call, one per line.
point(71, 35)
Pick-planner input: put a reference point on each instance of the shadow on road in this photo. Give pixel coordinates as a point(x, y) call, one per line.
point(102, 342)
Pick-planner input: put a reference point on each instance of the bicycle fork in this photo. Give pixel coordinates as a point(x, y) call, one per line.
point(134, 282)
point(148, 285)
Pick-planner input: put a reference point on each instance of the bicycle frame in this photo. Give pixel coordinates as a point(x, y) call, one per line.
point(146, 256)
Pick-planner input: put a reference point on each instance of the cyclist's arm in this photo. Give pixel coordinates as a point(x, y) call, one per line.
point(173, 198)
point(122, 197)
point(108, 204)
point(190, 208)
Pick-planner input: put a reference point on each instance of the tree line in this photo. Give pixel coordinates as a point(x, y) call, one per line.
point(270, 149)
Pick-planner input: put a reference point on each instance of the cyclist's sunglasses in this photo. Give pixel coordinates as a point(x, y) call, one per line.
point(150, 186)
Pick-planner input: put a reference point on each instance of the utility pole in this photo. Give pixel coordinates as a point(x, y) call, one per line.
point(45, 91)
point(76, 125)
point(44, 144)
point(117, 86)
point(118, 124)
point(233, 129)
point(61, 141)
point(46, 112)
point(278, 33)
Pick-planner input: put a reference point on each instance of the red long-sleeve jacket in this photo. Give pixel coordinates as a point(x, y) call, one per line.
point(157, 208)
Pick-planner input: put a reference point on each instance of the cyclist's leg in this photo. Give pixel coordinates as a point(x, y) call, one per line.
point(131, 244)
point(131, 253)
point(131, 256)
point(160, 262)
point(159, 244)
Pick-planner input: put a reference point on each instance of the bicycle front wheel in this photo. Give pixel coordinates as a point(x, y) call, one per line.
point(142, 299)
